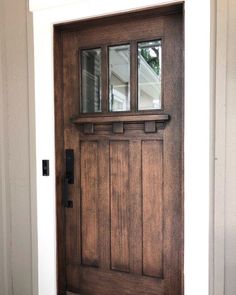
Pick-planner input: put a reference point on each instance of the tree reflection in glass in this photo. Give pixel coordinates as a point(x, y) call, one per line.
point(149, 75)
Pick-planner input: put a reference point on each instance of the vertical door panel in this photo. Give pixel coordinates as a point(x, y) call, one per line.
point(89, 187)
point(104, 205)
point(152, 179)
point(119, 186)
point(135, 195)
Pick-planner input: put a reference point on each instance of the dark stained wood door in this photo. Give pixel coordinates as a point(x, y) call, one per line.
point(122, 232)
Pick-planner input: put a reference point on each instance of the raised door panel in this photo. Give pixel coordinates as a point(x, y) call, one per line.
point(152, 184)
point(89, 203)
point(119, 189)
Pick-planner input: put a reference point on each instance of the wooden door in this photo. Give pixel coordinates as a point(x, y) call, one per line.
point(119, 116)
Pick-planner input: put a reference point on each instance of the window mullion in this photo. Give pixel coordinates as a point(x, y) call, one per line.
point(105, 79)
point(134, 77)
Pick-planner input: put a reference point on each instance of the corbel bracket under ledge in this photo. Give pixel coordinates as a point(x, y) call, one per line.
point(118, 121)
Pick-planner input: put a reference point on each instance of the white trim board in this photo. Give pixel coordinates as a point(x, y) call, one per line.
point(37, 5)
point(4, 212)
point(15, 221)
point(197, 134)
point(221, 44)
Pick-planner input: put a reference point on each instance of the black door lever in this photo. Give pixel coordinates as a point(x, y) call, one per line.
point(69, 178)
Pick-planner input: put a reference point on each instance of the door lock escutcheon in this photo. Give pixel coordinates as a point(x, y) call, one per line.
point(69, 177)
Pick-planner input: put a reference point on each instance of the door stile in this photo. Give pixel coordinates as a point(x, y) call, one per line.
point(59, 151)
point(173, 147)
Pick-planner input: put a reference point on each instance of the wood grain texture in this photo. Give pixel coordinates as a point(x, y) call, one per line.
point(135, 206)
point(119, 187)
point(134, 75)
point(89, 202)
point(150, 126)
point(104, 205)
point(123, 118)
point(59, 134)
point(105, 79)
point(138, 14)
point(173, 154)
point(152, 180)
point(96, 282)
point(124, 235)
point(70, 141)
point(118, 127)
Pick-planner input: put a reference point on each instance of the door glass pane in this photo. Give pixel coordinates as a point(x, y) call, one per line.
point(119, 78)
point(149, 75)
point(91, 80)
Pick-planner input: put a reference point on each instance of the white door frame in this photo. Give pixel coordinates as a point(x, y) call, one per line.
point(197, 134)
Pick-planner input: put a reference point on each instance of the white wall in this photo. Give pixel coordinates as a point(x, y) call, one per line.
point(225, 150)
point(4, 228)
point(230, 176)
point(15, 223)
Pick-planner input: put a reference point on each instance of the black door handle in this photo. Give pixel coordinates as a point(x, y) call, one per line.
point(69, 178)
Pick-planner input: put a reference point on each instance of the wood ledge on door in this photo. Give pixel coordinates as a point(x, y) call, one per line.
point(149, 121)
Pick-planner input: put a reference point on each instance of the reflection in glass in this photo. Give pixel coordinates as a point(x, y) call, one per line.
point(91, 80)
point(149, 75)
point(119, 78)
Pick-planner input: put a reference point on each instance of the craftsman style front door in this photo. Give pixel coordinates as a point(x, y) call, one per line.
point(119, 146)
